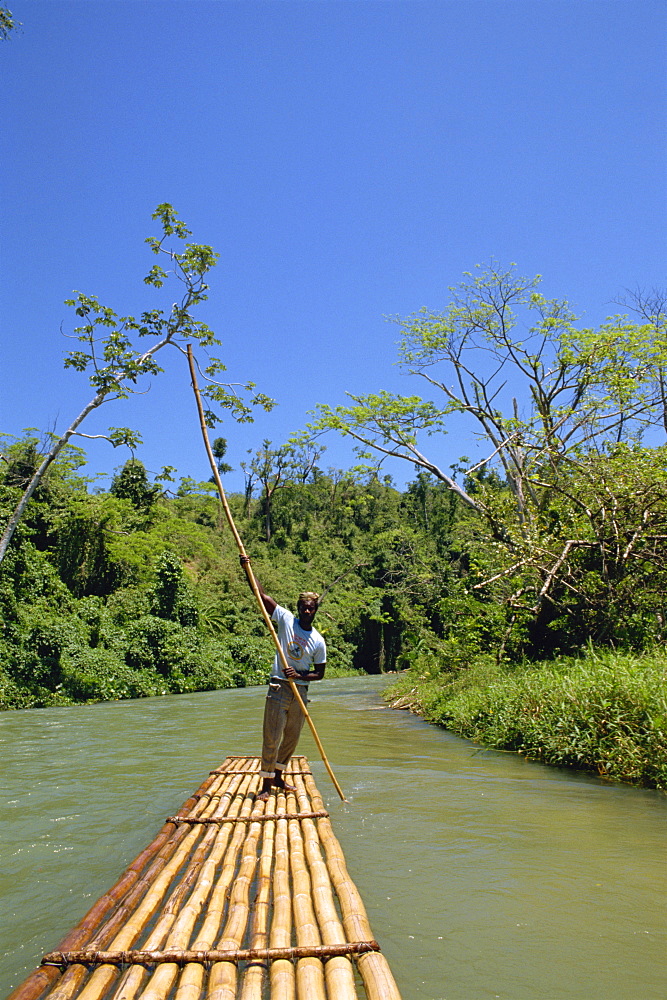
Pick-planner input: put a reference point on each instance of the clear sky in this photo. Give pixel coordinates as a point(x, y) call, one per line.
point(348, 160)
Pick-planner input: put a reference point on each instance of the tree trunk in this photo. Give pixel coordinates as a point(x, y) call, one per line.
point(41, 472)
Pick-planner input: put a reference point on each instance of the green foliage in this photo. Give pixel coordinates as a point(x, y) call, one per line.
point(8, 23)
point(21, 456)
point(171, 598)
point(102, 675)
point(123, 601)
point(219, 449)
point(566, 514)
point(83, 550)
point(605, 713)
point(114, 362)
point(131, 483)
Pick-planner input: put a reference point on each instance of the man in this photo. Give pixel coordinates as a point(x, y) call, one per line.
point(306, 654)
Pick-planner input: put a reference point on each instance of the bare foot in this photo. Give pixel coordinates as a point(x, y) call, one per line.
point(284, 787)
point(265, 790)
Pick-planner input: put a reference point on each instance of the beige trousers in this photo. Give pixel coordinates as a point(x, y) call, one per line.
point(283, 722)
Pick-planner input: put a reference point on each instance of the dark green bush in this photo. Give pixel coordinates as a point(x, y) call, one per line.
point(101, 675)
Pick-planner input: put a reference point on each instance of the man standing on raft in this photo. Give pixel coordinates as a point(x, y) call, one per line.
point(304, 648)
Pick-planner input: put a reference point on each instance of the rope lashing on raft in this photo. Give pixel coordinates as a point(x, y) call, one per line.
point(263, 818)
point(184, 957)
point(289, 774)
point(253, 765)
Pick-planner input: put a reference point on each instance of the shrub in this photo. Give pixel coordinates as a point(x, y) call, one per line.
point(101, 675)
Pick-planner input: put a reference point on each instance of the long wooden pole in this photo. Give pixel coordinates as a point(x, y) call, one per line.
point(248, 570)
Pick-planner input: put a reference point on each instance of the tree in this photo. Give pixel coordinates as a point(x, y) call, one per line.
point(21, 460)
point(171, 597)
point(304, 461)
point(7, 23)
point(131, 483)
point(219, 449)
point(272, 467)
point(537, 395)
point(601, 554)
point(651, 307)
point(546, 397)
point(115, 364)
point(249, 484)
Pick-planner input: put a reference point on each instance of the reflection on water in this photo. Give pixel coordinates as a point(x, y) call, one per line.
point(483, 875)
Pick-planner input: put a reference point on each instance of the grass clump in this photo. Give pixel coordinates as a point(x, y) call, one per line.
point(603, 712)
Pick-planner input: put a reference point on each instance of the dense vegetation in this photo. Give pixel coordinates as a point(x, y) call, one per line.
point(135, 592)
point(525, 592)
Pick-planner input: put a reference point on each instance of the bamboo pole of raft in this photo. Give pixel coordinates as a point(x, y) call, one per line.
point(249, 572)
point(373, 966)
point(339, 972)
point(255, 974)
point(75, 974)
point(309, 971)
point(231, 799)
point(172, 930)
point(162, 934)
point(282, 978)
point(192, 978)
point(90, 924)
point(223, 975)
point(136, 920)
point(131, 918)
point(174, 927)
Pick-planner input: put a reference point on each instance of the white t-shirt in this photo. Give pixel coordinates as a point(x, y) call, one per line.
point(303, 648)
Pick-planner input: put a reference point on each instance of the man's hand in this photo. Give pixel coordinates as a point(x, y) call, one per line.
point(290, 672)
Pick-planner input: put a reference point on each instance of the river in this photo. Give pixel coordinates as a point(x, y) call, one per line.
point(484, 875)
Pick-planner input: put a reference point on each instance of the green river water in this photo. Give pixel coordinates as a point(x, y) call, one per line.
point(484, 876)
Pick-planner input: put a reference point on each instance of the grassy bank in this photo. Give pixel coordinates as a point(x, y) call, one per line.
point(603, 712)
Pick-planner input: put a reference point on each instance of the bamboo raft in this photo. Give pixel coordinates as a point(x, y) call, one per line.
point(235, 899)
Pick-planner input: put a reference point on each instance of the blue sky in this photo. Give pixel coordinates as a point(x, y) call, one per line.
point(348, 160)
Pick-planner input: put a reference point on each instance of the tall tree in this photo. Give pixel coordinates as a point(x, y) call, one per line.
point(132, 484)
point(115, 364)
point(543, 394)
point(538, 389)
point(273, 468)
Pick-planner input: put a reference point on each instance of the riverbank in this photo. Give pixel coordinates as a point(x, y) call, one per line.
point(602, 712)
point(117, 682)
